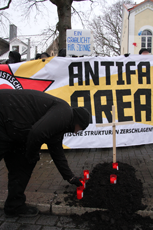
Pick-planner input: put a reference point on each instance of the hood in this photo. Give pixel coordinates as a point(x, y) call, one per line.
point(81, 117)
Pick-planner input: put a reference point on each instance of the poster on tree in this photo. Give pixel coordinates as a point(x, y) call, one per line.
point(95, 83)
point(79, 42)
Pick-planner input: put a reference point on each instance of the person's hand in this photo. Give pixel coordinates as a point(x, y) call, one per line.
point(75, 180)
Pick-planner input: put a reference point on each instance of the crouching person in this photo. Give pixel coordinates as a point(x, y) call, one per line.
point(29, 118)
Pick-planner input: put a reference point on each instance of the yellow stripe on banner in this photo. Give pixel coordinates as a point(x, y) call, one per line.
point(66, 147)
point(66, 91)
point(44, 146)
point(30, 68)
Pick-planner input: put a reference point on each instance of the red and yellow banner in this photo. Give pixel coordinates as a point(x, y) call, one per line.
point(95, 83)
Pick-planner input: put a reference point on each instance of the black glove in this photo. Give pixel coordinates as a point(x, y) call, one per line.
point(75, 180)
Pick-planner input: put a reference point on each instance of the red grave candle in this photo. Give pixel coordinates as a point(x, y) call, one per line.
point(79, 192)
point(115, 166)
point(86, 174)
point(83, 183)
point(113, 179)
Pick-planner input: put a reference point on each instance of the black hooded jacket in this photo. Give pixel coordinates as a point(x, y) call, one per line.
point(14, 57)
point(31, 118)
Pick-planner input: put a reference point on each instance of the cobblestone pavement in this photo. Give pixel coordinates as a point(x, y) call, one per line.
point(47, 186)
point(40, 222)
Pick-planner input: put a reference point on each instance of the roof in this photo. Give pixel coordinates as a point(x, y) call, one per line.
point(18, 41)
point(130, 7)
point(4, 56)
point(37, 44)
point(4, 41)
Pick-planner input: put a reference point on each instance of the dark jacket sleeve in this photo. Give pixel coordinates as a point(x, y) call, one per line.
point(45, 130)
point(57, 153)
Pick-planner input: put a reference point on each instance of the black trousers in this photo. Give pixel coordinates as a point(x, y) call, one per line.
point(19, 173)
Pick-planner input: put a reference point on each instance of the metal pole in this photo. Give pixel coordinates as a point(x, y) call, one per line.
point(28, 52)
point(35, 50)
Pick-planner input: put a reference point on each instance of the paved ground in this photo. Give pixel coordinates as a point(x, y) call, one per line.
point(41, 222)
point(46, 186)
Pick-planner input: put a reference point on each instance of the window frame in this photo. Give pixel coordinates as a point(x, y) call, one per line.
point(145, 40)
point(15, 48)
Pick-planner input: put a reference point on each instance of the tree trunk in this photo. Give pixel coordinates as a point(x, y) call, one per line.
point(64, 15)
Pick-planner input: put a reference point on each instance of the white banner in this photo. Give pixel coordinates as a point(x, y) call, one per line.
point(95, 83)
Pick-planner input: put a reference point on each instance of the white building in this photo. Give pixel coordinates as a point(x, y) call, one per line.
point(137, 27)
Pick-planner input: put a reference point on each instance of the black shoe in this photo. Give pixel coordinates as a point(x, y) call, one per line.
point(28, 211)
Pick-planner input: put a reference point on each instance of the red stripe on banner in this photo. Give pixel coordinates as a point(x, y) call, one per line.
point(4, 86)
point(35, 84)
point(5, 68)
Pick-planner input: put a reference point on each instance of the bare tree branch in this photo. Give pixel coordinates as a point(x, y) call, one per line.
point(7, 6)
point(48, 34)
point(107, 30)
point(54, 2)
point(78, 14)
point(64, 8)
point(4, 20)
point(83, 0)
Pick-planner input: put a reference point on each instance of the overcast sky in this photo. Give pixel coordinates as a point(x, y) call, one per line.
point(35, 25)
point(39, 21)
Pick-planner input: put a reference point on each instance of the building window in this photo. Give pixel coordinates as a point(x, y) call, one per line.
point(15, 48)
point(146, 40)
